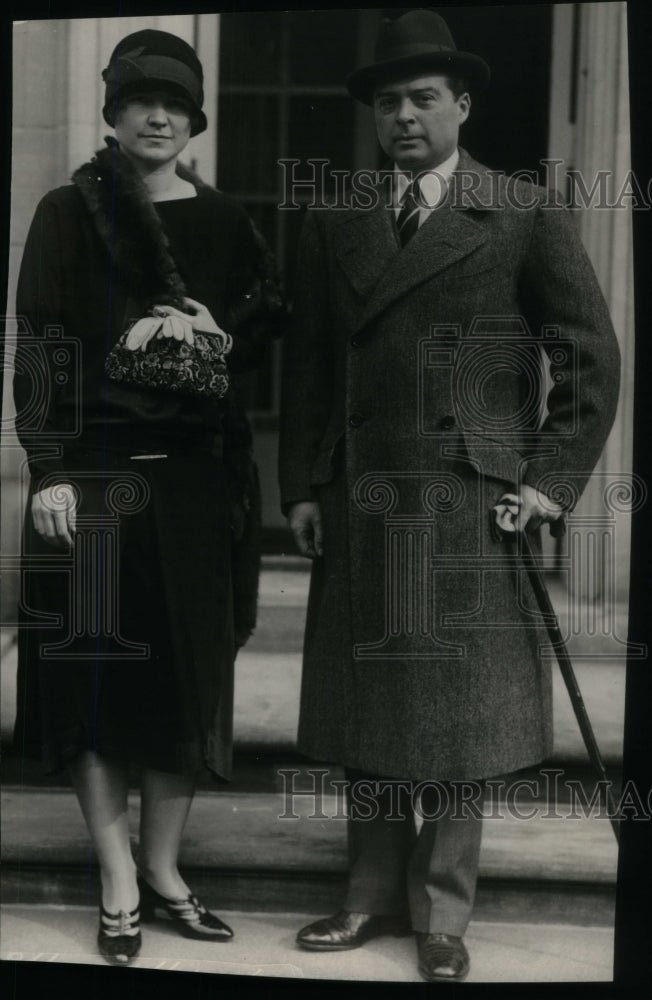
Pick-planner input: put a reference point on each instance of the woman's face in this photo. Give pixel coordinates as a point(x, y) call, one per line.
point(153, 127)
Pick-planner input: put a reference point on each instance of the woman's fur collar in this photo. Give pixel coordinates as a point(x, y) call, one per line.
point(130, 228)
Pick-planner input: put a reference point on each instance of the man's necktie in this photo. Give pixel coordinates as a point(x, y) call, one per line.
point(407, 221)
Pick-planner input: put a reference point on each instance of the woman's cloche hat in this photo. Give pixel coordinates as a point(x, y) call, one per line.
point(154, 60)
point(417, 41)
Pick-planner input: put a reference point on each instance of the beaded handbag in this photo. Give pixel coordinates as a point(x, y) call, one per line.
point(172, 365)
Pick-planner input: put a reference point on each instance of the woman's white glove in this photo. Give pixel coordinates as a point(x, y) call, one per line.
point(159, 326)
point(198, 318)
point(54, 514)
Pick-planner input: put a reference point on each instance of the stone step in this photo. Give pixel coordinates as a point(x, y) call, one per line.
point(270, 833)
point(502, 951)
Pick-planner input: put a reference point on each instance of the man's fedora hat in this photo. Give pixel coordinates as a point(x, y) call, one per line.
point(416, 42)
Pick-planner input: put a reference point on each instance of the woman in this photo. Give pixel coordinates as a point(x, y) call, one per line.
point(141, 501)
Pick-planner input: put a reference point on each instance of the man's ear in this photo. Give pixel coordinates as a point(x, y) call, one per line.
point(464, 106)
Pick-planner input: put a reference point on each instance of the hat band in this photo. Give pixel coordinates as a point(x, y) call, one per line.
point(413, 49)
point(127, 70)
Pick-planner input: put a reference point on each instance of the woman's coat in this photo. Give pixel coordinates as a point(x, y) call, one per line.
point(96, 257)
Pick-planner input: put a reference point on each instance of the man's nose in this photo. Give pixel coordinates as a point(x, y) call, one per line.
point(405, 111)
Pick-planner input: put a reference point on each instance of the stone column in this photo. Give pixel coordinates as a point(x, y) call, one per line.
point(602, 142)
point(589, 133)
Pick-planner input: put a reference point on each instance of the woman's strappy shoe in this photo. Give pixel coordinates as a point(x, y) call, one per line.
point(119, 938)
point(188, 915)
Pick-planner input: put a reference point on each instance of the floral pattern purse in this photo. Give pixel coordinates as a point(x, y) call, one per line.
point(172, 365)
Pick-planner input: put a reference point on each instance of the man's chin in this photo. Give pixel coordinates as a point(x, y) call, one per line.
point(414, 163)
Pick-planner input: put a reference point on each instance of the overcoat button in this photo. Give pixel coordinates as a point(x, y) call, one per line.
point(355, 341)
point(356, 420)
point(447, 423)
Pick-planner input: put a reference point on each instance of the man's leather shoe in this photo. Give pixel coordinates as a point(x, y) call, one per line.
point(349, 930)
point(442, 958)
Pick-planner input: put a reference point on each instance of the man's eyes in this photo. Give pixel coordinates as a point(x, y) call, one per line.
point(387, 104)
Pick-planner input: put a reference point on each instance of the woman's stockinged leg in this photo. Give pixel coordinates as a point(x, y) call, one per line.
point(165, 802)
point(101, 786)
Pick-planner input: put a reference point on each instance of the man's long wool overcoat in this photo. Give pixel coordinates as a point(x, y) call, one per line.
point(412, 399)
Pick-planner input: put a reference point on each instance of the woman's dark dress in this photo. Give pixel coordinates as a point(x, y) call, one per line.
point(167, 519)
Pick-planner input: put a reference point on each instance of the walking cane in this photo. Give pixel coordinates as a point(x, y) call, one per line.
point(531, 563)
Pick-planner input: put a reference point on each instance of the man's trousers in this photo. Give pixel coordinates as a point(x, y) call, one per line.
point(429, 876)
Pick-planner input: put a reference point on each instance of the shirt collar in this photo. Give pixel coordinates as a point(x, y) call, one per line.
point(431, 183)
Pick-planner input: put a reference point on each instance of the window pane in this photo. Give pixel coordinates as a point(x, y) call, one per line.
point(246, 143)
point(322, 46)
point(250, 48)
point(321, 128)
point(293, 221)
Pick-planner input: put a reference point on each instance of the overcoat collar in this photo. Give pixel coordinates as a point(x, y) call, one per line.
point(369, 252)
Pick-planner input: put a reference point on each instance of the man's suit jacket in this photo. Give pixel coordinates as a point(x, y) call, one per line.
point(412, 398)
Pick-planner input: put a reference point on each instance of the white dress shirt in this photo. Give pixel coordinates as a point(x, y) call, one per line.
point(433, 186)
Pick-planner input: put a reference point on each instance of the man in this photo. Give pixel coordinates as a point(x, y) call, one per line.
point(412, 406)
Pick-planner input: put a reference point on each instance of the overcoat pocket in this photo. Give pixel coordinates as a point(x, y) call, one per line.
point(494, 458)
point(323, 468)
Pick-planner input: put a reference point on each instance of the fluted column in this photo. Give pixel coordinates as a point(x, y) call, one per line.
point(602, 142)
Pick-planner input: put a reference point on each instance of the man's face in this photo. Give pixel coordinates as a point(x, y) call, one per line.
point(418, 121)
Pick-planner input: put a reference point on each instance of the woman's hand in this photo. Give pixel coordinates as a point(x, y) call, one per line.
point(198, 317)
point(54, 513)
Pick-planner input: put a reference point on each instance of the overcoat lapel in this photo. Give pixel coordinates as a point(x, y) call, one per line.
point(445, 238)
point(367, 245)
point(369, 251)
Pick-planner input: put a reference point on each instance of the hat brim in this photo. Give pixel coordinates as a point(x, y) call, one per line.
point(362, 83)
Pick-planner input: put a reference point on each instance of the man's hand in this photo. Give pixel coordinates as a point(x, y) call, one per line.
point(304, 519)
point(54, 512)
point(529, 509)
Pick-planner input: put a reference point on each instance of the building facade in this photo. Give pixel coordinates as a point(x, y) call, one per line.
point(276, 103)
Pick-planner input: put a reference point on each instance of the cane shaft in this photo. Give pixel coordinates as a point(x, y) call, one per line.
point(554, 633)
